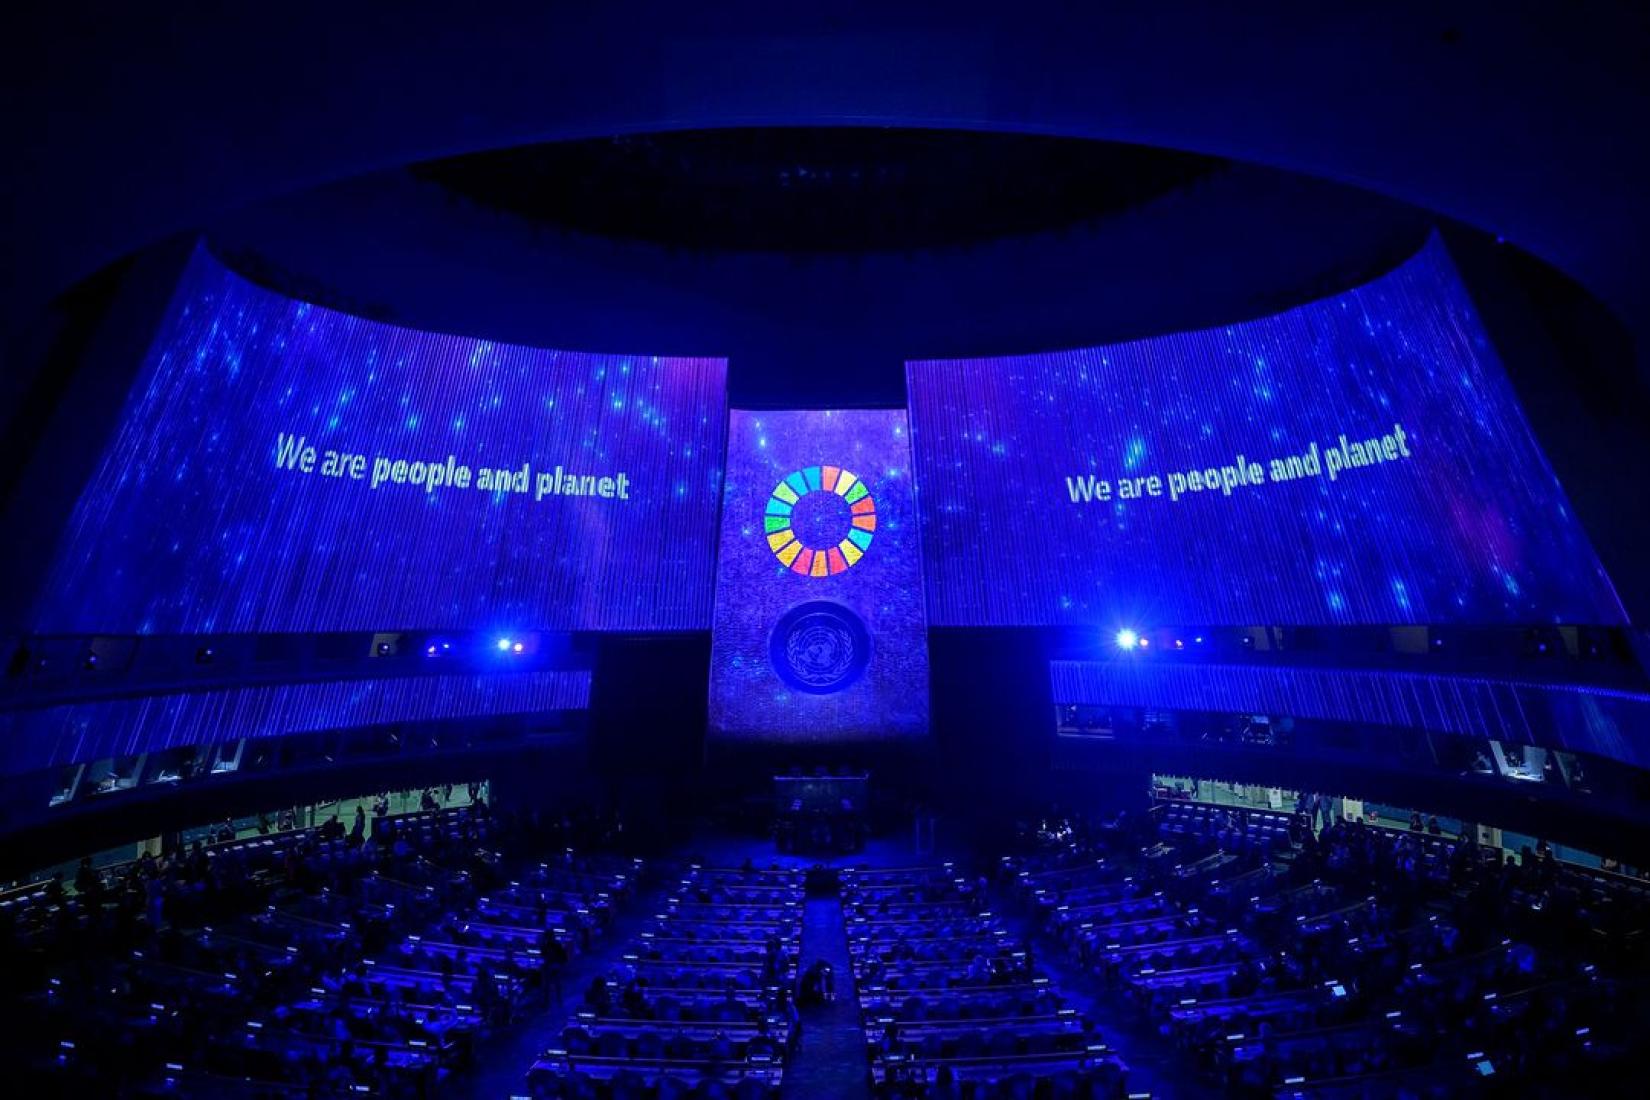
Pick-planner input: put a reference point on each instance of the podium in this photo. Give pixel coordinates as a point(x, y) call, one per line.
point(820, 814)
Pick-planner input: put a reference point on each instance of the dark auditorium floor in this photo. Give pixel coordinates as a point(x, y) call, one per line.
point(830, 1061)
point(719, 849)
point(1155, 1066)
point(502, 1062)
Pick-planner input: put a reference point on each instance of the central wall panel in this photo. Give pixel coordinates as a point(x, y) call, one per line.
point(819, 629)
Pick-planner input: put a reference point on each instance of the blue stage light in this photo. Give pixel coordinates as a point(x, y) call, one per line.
point(518, 647)
point(1127, 639)
point(504, 645)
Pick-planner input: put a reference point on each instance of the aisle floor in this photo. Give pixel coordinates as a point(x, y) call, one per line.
point(829, 1061)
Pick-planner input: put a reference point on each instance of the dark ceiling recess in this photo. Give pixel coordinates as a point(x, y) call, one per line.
point(817, 189)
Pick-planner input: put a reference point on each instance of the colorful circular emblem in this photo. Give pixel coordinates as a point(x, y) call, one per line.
point(819, 521)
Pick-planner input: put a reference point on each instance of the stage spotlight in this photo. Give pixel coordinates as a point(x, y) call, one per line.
point(429, 650)
point(1144, 642)
point(1127, 639)
point(504, 645)
point(90, 663)
point(203, 655)
point(1178, 644)
point(1198, 640)
point(518, 647)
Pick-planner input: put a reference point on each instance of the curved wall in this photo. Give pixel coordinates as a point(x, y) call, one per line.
point(1359, 459)
point(283, 468)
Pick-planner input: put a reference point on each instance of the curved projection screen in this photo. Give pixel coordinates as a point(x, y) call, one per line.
point(283, 467)
point(1358, 460)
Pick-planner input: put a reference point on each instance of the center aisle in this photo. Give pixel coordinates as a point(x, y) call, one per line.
point(830, 1058)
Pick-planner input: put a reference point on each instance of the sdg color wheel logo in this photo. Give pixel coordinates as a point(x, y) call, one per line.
point(819, 521)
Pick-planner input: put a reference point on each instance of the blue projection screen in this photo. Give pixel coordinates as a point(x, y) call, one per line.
point(1577, 717)
point(819, 631)
point(1358, 460)
point(44, 737)
point(283, 467)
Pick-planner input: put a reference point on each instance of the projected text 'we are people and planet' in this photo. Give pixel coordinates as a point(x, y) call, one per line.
point(1358, 460)
point(281, 467)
